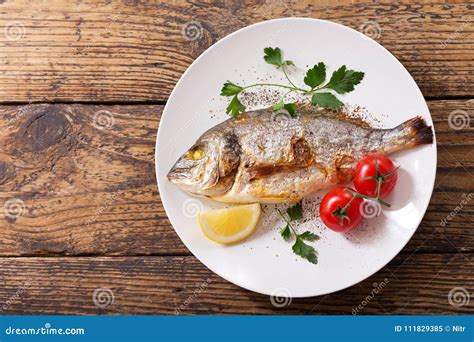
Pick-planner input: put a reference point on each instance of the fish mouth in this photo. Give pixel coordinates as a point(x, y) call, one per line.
point(175, 174)
point(192, 178)
point(181, 178)
point(211, 184)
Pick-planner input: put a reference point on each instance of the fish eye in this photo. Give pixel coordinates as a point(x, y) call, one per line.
point(196, 153)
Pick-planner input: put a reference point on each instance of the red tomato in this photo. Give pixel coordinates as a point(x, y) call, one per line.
point(332, 205)
point(366, 174)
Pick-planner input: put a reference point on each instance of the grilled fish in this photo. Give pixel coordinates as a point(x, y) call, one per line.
point(269, 158)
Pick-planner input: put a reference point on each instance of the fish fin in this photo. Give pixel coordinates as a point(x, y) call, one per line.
point(337, 114)
point(300, 152)
point(298, 156)
point(420, 132)
point(229, 157)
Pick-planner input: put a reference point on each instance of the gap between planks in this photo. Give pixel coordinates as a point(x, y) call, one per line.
point(162, 103)
point(155, 255)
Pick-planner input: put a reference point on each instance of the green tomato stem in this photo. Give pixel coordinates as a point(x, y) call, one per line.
point(376, 199)
point(344, 209)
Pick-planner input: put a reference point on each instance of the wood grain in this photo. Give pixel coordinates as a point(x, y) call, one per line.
point(86, 177)
point(417, 284)
point(80, 211)
point(131, 51)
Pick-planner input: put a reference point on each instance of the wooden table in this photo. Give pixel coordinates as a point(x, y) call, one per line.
point(82, 88)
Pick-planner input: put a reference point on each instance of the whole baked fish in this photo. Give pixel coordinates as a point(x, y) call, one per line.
point(266, 157)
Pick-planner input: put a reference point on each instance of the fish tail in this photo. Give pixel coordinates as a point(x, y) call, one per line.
point(417, 131)
point(408, 134)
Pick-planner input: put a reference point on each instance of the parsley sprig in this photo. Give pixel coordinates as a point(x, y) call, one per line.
point(300, 248)
point(342, 81)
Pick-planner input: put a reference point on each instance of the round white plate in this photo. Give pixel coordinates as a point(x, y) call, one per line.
point(265, 263)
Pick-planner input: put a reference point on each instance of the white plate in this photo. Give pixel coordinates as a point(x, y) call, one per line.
point(265, 263)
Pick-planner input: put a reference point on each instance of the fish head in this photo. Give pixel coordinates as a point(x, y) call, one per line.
point(208, 168)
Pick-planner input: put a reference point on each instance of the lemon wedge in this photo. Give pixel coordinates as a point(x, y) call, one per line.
point(231, 225)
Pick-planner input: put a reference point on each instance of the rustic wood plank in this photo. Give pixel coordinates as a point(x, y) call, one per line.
point(417, 284)
point(86, 188)
point(85, 176)
point(136, 50)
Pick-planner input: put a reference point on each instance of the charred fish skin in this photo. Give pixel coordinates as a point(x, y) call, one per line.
point(256, 158)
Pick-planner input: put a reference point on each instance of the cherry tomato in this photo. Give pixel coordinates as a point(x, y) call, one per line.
point(336, 215)
point(366, 175)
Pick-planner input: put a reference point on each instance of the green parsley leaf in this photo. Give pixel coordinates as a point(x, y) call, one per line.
point(343, 81)
point(326, 100)
point(295, 212)
point(272, 56)
point(308, 236)
point(277, 106)
point(290, 108)
point(286, 233)
point(299, 247)
point(235, 107)
point(229, 89)
point(305, 251)
point(289, 63)
point(316, 75)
